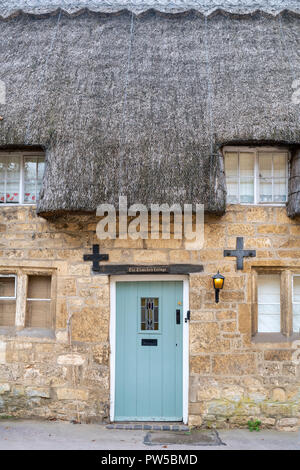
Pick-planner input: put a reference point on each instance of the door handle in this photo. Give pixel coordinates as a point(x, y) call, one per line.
point(188, 316)
point(178, 317)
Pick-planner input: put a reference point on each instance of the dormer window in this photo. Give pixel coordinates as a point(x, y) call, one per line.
point(256, 175)
point(21, 176)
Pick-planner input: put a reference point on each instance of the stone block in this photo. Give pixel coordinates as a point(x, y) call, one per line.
point(277, 355)
point(2, 352)
point(200, 364)
point(240, 230)
point(233, 393)
point(150, 256)
point(91, 324)
point(195, 420)
point(101, 354)
point(244, 318)
point(273, 229)
point(276, 409)
point(220, 408)
point(72, 359)
point(278, 394)
point(288, 424)
point(38, 392)
point(66, 287)
point(72, 394)
point(234, 364)
point(204, 337)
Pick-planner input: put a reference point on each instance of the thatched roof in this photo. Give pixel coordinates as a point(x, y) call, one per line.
point(205, 7)
point(141, 105)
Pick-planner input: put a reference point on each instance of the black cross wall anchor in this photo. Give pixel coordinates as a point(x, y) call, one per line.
point(240, 253)
point(95, 257)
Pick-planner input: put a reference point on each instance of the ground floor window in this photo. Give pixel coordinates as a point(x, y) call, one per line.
point(27, 300)
point(276, 301)
point(269, 303)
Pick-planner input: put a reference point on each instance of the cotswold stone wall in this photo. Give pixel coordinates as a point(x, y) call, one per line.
point(232, 377)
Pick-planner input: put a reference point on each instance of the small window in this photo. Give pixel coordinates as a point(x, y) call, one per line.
point(7, 300)
point(38, 306)
point(21, 176)
point(269, 303)
point(149, 313)
point(296, 304)
point(256, 176)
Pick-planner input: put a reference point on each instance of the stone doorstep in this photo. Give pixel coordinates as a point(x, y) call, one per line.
point(149, 426)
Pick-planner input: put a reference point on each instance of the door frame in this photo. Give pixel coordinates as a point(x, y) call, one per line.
point(185, 333)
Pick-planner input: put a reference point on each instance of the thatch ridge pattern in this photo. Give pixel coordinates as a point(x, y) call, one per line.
point(208, 8)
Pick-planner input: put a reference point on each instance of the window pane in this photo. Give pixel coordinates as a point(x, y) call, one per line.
point(231, 164)
point(232, 192)
point(296, 304)
point(247, 160)
point(265, 165)
point(40, 174)
point(39, 287)
point(30, 175)
point(269, 303)
point(7, 312)
point(279, 165)
point(247, 190)
point(13, 179)
point(38, 314)
point(269, 323)
point(280, 190)
point(231, 173)
point(265, 190)
point(149, 313)
point(7, 287)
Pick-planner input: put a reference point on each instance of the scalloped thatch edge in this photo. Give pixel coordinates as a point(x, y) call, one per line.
point(109, 10)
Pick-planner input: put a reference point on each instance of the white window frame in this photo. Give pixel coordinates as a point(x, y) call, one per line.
point(256, 151)
point(22, 156)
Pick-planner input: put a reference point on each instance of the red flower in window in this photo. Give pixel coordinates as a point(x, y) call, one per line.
point(33, 198)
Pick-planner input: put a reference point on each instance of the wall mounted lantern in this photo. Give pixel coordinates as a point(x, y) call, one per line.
point(218, 281)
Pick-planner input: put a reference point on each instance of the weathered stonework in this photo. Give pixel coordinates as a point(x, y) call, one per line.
point(232, 377)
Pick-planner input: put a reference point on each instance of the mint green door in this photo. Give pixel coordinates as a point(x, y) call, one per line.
point(148, 376)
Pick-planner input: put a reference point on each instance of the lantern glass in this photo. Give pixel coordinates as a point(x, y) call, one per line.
point(218, 283)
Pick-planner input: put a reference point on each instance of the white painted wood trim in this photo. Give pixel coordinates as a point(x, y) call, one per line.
point(185, 333)
point(112, 347)
point(185, 352)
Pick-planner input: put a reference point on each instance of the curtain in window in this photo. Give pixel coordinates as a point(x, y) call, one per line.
point(9, 179)
point(269, 303)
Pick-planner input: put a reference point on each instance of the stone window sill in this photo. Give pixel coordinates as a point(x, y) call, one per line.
point(28, 332)
point(264, 338)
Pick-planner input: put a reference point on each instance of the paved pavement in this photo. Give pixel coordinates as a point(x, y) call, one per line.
point(32, 434)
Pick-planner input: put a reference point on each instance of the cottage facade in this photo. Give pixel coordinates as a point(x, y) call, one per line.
point(164, 104)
